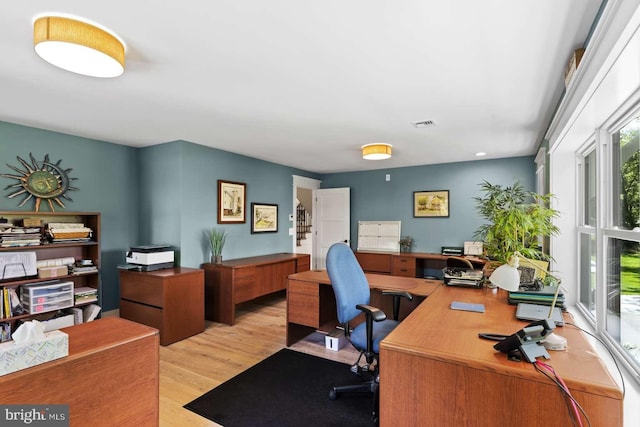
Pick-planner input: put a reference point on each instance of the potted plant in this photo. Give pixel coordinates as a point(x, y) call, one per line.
point(217, 238)
point(405, 243)
point(516, 220)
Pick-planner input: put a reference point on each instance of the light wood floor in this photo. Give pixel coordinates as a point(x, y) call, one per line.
point(191, 367)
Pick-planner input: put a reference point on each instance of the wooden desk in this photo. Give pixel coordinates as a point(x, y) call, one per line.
point(311, 304)
point(109, 378)
point(435, 369)
point(170, 300)
point(244, 279)
point(407, 264)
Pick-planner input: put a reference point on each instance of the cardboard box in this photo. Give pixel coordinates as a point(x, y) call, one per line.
point(335, 340)
point(14, 357)
point(31, 222)
point(46, 272)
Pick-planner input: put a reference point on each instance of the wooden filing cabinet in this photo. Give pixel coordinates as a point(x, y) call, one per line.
point(404, 266)
point(170, 300)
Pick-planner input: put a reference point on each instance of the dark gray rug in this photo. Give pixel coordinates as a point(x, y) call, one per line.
point(288, 388)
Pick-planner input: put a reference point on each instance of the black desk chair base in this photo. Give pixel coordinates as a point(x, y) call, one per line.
point(370, 386)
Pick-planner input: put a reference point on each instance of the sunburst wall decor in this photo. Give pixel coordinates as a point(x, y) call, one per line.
point(41, 180)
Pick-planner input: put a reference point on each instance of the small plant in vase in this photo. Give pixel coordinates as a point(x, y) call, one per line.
point(405, 243)
point(217, 238)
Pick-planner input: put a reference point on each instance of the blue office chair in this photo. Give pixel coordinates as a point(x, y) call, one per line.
point(352, 293)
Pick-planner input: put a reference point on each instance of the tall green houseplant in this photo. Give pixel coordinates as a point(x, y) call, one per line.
point(516, 220)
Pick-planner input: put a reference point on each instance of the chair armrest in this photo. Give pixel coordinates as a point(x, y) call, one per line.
point(376, 314)
point(396, 300)
point(403, 294)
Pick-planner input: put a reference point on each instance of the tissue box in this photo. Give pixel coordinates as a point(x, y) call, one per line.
point(14, 357)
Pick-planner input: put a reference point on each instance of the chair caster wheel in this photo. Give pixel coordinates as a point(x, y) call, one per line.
point(333, 395)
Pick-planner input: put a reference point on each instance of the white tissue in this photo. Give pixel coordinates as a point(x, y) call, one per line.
point(29, 332)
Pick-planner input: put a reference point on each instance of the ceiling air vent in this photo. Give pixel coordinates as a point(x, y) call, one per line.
point(424, 123)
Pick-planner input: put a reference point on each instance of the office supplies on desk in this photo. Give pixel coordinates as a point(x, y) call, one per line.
point(543, 296)
point(527, 341)
point(507, 277)
point(526, 311)
point(462, 277)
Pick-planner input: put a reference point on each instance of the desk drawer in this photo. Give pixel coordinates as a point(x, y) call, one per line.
point(303, 264)
point(303, 303)
point(140, 313)
point(141, 288)
point(404, 266)
point(244, 284)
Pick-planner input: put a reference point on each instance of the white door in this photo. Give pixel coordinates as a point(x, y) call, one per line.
point(331, 222)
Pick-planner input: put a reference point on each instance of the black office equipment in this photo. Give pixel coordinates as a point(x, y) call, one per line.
point(526, 342)
point(452, 250)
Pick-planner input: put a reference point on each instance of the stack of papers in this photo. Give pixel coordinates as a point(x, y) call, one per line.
point(541, 297)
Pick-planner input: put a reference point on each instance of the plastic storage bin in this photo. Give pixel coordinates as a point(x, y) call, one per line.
point(47, 296)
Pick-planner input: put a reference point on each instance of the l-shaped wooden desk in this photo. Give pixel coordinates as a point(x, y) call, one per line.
point(311, 304)
point(435, 370)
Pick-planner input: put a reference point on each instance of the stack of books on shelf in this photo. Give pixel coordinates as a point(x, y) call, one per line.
point(543, 296)
point(62, 232)
point(12, 236)
point(84, 266)
point(5, 331)
point(85, 294)
point(10, 304)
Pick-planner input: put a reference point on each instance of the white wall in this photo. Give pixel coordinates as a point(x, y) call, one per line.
point(606, 84)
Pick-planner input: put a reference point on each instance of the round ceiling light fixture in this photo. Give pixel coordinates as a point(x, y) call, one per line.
point(379, 151)
point(78, 47)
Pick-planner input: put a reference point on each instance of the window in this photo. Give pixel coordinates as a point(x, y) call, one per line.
point(587, 230)
point(612, 228)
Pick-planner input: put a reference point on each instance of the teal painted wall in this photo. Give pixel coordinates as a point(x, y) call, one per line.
point(107, 180)
point(375, 199)
point(168, 194)
point(181, 198)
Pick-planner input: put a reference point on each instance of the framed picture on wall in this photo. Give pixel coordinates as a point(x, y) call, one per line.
point(264, 218)
point(232, 199)
point(431, 204)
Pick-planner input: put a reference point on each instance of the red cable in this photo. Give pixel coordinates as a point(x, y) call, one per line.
point(564, 386)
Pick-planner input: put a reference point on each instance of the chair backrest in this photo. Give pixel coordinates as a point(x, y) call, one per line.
point(459, 262)
point(349, 283)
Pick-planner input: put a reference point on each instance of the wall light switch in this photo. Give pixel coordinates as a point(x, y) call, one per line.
point(388, 177)
point(292, 231)
point(290, 217)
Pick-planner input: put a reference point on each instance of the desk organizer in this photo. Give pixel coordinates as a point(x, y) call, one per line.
point(14, 357)
point(47, 296)
point(462, 277)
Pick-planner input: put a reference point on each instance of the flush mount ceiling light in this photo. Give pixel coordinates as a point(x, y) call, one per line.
point(376, 151)
point(78, 47)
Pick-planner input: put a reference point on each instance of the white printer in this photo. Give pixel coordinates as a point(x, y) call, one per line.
point(150, 257)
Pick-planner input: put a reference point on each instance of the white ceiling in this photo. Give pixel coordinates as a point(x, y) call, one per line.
point(306, 83)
